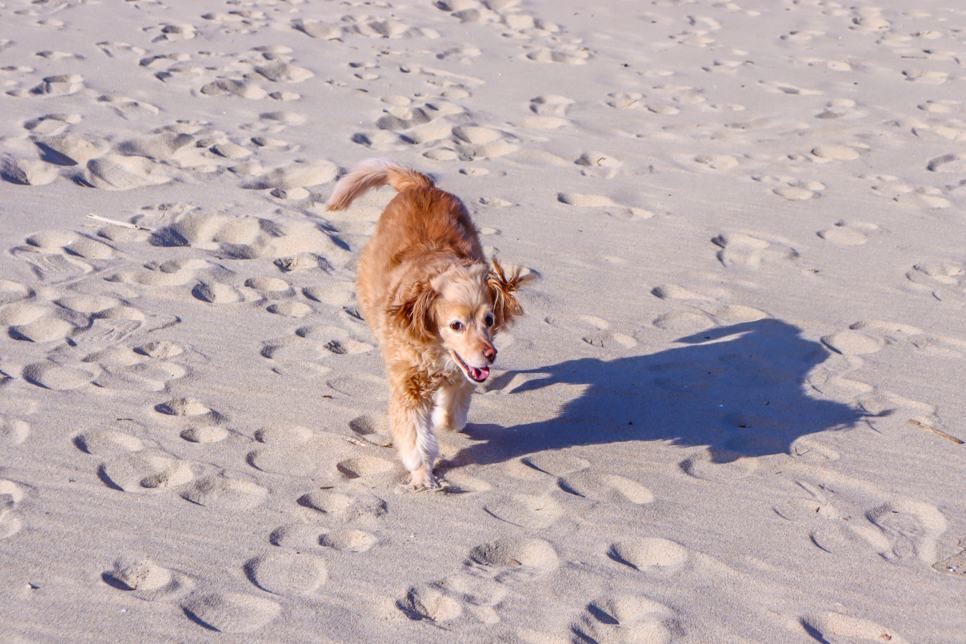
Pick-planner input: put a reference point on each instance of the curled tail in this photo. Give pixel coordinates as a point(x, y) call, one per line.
point(374, 173)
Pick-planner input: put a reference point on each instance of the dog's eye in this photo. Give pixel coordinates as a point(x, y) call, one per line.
point(488, 319)
point(456, 325)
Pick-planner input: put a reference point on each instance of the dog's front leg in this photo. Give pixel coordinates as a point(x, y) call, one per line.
point(452, 405)
point(412, 434)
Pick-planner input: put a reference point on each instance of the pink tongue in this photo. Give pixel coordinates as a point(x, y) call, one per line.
point(480, 374)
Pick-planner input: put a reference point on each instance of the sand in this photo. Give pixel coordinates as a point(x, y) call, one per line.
point(733, 411)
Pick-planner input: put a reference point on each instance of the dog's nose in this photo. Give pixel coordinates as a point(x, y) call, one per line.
point(490, 354)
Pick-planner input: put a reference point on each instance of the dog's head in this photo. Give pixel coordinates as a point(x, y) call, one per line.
point(462, 309)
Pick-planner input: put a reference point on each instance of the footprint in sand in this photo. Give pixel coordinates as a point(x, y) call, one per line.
point(349, 540)
point(71, 149)
point(51, 124)
point(52, 268)
point(534, 512)
point(284, 460)
point(301, 536)
point(27, 172)
point(13, 431)
point(296, 356)
point(830, 152)
point(472, 590)
point(512, 559)
point(569, 55)
point(293, 450)
point(852, 343)
point(955, 564)
point(349, 506)
point(147, 471)
point(751, 250)
point(190, 409)
point(241, 237)
point(854, 233)
point(845, 517)
point(110, 326)
point(11, 494)
point(106, 442)
point(295, 310)
point(359, 386)
point(926, 77)
point(551, 105)
point(317, 29)
point(478, 142)
point(205, 434)
point(944, 279)
point(606, 205)
point(556, 463)
point(334, 339)
point(59, 85)
point(720, 465)
point(455, 596)
point(894, 188)
point(223, 86)
point(230, 612)
point(389, 29)
point(214, 292)
point(146, 580)
point(430, 602)
point(31, 323)
point(364, 466)
point(791, 188)
point(57, 377)
point(598, 165)
point(287, 573)
point(372, 428)
point(611, 488)
point(593, 330)
point(223, 493)
point(651, 555)
point(627, 618)
point(715, 162)
point(683, 322)
point(909, 530)
point(836, 628)
point(120, 172)
point(138, 375)
point(638, 101)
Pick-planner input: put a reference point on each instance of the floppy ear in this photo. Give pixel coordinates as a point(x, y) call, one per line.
point(415, 312)
point(502, 285)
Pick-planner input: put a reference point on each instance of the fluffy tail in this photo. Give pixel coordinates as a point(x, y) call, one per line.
point(374, 173)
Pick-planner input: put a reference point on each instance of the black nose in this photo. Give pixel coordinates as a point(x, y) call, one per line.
point(490, 354)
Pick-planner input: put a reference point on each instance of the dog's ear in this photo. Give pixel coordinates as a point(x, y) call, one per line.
point(502, 284)
point(415, 312)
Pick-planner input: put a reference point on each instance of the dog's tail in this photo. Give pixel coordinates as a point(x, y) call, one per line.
point(374, 173)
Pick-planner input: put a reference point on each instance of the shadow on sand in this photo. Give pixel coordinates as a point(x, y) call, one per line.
point(740, 390)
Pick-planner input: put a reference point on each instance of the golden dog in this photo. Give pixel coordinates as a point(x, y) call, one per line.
point(433, 303)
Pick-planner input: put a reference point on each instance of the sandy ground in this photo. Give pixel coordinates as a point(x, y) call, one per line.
point(733, 412)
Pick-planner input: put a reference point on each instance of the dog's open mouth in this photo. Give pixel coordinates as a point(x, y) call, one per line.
point(474, 374)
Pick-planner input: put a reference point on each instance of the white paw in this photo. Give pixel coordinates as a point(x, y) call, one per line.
point(423, 479)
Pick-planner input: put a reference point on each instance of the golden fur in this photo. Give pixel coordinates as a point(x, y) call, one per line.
point(433, 303)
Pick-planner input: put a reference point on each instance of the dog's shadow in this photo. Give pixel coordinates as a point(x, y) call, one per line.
point(740, 390)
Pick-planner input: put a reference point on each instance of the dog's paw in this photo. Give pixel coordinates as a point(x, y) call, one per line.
point(423, 479)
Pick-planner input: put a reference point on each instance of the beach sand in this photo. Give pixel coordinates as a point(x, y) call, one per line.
point(732, 414)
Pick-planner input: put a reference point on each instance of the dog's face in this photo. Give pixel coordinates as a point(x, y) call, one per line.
point(465, 320)
point(462, 309)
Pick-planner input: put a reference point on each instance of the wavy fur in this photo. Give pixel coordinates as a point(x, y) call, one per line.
point(374, 173)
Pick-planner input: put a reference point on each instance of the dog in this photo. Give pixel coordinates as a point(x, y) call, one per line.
point(433, 303)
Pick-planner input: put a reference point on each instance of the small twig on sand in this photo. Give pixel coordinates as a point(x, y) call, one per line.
point(935, 431)
point(115, 222)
